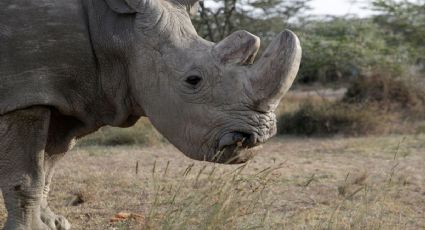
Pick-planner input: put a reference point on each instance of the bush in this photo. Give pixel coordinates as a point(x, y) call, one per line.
point(331, 119)
point(389, 93)
point(142, 133)
point(369, 105)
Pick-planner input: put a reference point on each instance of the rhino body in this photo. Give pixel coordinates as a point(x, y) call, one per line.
point(68, 68)
point(48, 58)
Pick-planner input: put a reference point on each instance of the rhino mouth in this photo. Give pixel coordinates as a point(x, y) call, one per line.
point(234, 147)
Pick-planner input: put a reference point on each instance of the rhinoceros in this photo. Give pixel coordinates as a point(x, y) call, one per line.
point(69, 67)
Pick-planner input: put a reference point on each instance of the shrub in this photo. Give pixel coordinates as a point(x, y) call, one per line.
point(388, 92)
point(331, 119)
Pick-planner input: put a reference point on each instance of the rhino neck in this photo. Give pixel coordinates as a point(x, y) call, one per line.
point(111, 38)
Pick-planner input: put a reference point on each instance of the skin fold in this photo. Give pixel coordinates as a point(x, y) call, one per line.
point(68, 68)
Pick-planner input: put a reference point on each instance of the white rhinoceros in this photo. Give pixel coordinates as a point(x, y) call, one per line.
point(69, 67)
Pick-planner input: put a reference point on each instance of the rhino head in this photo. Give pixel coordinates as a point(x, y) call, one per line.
point(212, 101)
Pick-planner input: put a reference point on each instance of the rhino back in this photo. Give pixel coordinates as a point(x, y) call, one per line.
point(45, 56)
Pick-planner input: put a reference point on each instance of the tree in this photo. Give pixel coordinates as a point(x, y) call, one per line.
point(404, 24)
point(390, 42)
point(342, 48)
point(261, 17)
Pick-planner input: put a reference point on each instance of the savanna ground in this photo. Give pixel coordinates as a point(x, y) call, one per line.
point(293, 183)
point(130, 179)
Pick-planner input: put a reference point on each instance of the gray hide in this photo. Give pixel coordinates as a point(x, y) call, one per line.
point(70, 67)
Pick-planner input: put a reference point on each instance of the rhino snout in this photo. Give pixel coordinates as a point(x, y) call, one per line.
point(234, 147)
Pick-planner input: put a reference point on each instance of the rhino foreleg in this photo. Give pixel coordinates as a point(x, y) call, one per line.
point(23, 136)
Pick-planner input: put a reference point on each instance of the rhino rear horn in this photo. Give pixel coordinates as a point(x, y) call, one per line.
point(240, 47)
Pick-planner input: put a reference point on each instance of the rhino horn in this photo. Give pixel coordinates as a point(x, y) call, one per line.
point(240, 47)
point(275, 71)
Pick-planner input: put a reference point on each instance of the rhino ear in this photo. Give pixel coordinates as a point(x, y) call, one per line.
point(124, 6)
point(240, 47)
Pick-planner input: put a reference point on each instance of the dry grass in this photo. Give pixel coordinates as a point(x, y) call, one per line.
point(312, 119)
point(142, 133)
point(294, 183)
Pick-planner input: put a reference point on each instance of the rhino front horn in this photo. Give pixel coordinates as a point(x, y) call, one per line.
point(274, 73)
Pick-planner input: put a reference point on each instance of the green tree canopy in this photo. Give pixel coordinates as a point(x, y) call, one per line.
point(265, 18)
point(334, 48)
point(404, 24)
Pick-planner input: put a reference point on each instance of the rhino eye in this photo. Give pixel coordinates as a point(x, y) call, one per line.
point(193, 80)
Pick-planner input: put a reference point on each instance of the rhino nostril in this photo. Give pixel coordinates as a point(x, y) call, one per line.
point(253, 140)
point(239, 139)
point(230, 139)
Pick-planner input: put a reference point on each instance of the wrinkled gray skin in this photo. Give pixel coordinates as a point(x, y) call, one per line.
point(69, 67)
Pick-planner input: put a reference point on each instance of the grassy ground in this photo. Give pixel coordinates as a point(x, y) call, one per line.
point(293, 183)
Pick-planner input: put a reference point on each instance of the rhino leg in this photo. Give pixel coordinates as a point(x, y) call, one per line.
point(55, 222)
point(23, 136)
point(59, 141)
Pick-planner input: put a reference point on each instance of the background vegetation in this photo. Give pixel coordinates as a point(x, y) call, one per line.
point(334, 48)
